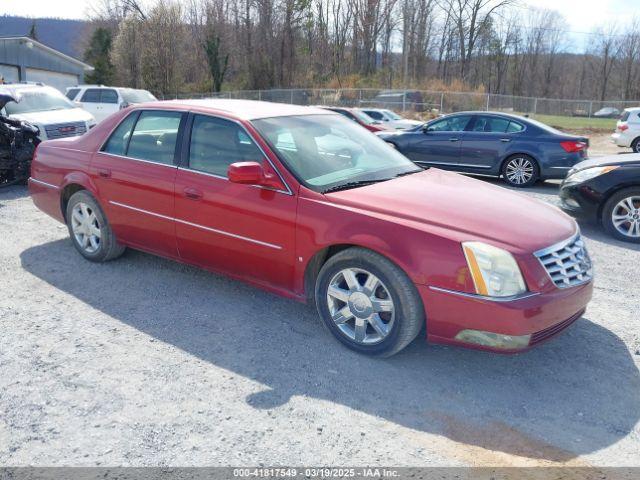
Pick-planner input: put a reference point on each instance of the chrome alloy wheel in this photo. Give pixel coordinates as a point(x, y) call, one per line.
point(85, 227)
point(626, 217)
point(360, 306)
point(519, 170)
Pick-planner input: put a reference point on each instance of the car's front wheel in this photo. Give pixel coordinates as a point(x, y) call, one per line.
point(89, 229)
point(621, 215)
point(368, 303)
point(520, 171)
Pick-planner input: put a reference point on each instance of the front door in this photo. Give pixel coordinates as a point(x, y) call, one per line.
point(487, 142)
point(135, 173)
point(440, 143)
point(244, 230)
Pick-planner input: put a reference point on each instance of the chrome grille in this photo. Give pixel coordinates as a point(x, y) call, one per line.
point(62, 130)
point(567, 263)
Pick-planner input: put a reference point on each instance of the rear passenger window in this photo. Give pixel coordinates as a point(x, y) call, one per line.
point(109, 96)
point(91, 95)
point(217, 143)
point(490, 125)
point(514, 127)
point(155, 136)
point(117, 143)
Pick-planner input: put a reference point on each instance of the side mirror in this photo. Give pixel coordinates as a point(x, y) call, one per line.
point(252, 173)
point(248, 173)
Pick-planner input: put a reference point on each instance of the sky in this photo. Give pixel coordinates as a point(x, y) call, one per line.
point(581, 15)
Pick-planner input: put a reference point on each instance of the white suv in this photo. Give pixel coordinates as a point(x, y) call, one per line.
point(102, 101)
point(391, 118)
point(627, 132)
point(46, 108)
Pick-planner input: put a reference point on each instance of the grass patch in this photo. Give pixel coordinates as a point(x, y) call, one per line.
point(577, 123)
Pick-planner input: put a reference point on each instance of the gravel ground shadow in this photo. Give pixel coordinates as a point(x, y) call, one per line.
point(577, 394)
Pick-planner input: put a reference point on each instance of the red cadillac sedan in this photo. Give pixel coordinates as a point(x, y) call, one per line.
point(307, 204)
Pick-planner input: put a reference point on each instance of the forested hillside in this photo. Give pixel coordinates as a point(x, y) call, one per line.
point(64, 35)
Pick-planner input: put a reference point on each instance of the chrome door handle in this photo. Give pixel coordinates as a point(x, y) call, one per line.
point(454, 139)
point(104, 172)
point(505, 140)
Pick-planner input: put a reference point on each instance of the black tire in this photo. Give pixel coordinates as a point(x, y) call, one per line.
point(108, 247)
point(525, 160)
point(635, 145)
point(409, 316)
point(608, 211)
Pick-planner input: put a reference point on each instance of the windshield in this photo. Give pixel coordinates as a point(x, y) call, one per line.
point(38, 100)
point(329, 151)
point(130, 95)
point(392, 114)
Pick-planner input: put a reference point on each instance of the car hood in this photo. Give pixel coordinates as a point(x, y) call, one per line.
point(53, 117)
point(626, 159)
point(463, 209)
point(405, 123)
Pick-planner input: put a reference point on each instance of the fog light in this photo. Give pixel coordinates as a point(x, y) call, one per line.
point(571, 202)
point(494, 340)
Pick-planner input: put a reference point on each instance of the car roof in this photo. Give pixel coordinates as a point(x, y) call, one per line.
point(482, 112)
point(243, 109)
point(22, 86)
point(631, 109)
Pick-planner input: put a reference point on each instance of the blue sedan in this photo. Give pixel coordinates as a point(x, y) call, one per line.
point(520, 150)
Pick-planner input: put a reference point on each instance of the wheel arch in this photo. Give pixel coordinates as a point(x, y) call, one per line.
point(511, 155)
point(74, 182)
point(315, 263)
point(320, 257)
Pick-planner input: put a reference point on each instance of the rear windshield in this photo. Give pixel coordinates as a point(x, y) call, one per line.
point(130, 95)
point(625, 116)
point(544, 126)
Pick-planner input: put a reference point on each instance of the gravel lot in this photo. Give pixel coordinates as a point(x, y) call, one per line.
point(143, 361)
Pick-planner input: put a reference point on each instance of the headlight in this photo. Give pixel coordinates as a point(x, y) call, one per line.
point(494, 271)
point(588, 173)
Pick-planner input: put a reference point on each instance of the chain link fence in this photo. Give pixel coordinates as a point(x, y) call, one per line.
point(426, 104)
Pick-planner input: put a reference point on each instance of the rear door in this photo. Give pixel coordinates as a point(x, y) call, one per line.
point(245, 230)
point(90, 101)
point(487, 142)
point(439, 144)
point(109, 102)
point(135, 172)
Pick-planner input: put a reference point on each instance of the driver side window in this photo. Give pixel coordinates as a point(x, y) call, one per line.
point(216, 143)
point(450, 124)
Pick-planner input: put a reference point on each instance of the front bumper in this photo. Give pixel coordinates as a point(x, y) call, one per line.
point(580, 200)
point(540, 315)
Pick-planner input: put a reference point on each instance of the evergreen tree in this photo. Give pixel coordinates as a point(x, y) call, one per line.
point(33, 33)
point(98, 54)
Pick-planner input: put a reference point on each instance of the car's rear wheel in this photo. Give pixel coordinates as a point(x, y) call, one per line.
point(520, 171)
point(635, 145)
point(368, 303)
point(89, 229)
point(621, 215)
